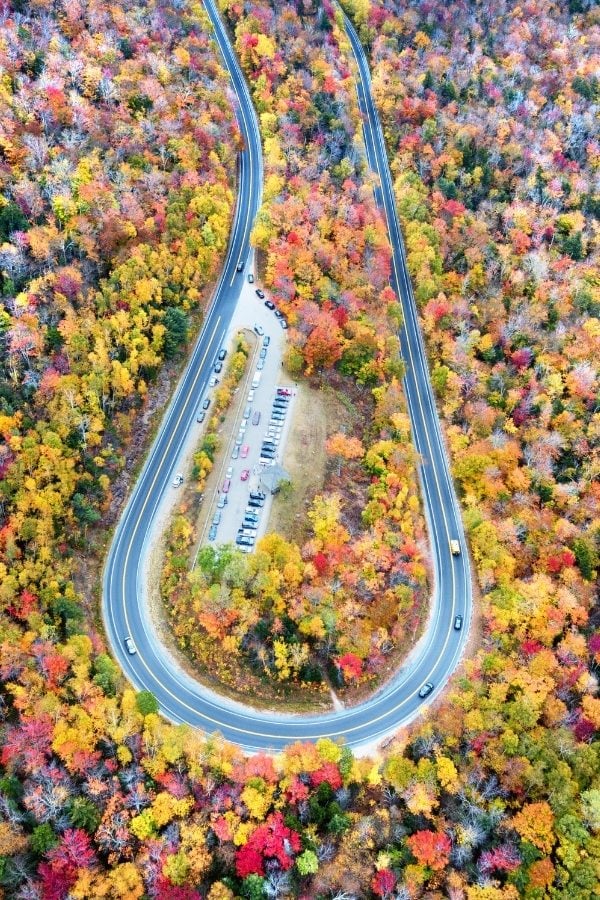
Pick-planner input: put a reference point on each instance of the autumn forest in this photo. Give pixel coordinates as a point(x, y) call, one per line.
point(118, 171)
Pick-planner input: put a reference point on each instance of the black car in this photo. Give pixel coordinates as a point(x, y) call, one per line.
point(426, 689)
point(222, 354)
point(266, 340)
point(244, 541)
point(206, 403)
point(257, 495)
point(458, 623)
point(218, 367)
point(251, 517)
point(255, 503)
point(278, 313)
point(270, 305)
point(240, 265)
point(260, 293)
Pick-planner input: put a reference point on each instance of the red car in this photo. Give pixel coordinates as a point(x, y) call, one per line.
point(284, 392)
point(226, 485)
point(244, 451)
point(245, 474)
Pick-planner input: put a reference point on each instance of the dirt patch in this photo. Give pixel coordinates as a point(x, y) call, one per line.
point(317, 413)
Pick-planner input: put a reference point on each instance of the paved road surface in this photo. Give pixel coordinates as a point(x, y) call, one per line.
point(181, 698)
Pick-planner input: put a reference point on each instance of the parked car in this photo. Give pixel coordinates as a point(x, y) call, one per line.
point(426, 689)
point(222, 501)
point(263, 352)
point(284, 391)
point(245, 449)
point(260, 293)
point(252, 517)
point(250, 397)
point(244, 541)
point(260, 365)
point(243, 425)
point(229, 472)
point(206, 403)
point(256, 417)
point(239, 439)
point(247, 412)
point(201, 416)
point(250, 278)
point(131, 648)
point(283, 324)
point(178, 480)
point(259, 329)
point(245, 474)
point(458, 623)
point(270, 305)
point(252, 511)
point(218, 366)
point(258, 495)
point(266, 340)
point(222, 354)
point(212, 532)
point(213, 382)
point(216, 517)
point(235, 452)
point(281, 402)
point(278, 313)
point(226, 485)
point(256, 503)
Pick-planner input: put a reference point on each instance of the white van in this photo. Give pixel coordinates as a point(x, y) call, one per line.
point(256, 379)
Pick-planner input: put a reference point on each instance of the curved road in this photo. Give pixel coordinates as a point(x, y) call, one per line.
point(181, 698)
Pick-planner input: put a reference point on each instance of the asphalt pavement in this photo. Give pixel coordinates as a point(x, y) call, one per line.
point(181, 698)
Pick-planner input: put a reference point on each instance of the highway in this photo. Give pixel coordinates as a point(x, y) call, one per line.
point(181, 698)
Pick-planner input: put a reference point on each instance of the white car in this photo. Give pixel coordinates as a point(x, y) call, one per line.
point(250, 396)
point(229, 472)
point(178, 480)
point(131, 648)
point(213, 381)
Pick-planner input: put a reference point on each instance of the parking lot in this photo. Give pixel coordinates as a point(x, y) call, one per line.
point(236, 507)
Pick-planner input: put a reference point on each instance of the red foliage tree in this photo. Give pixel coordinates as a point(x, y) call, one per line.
point(430, 848)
